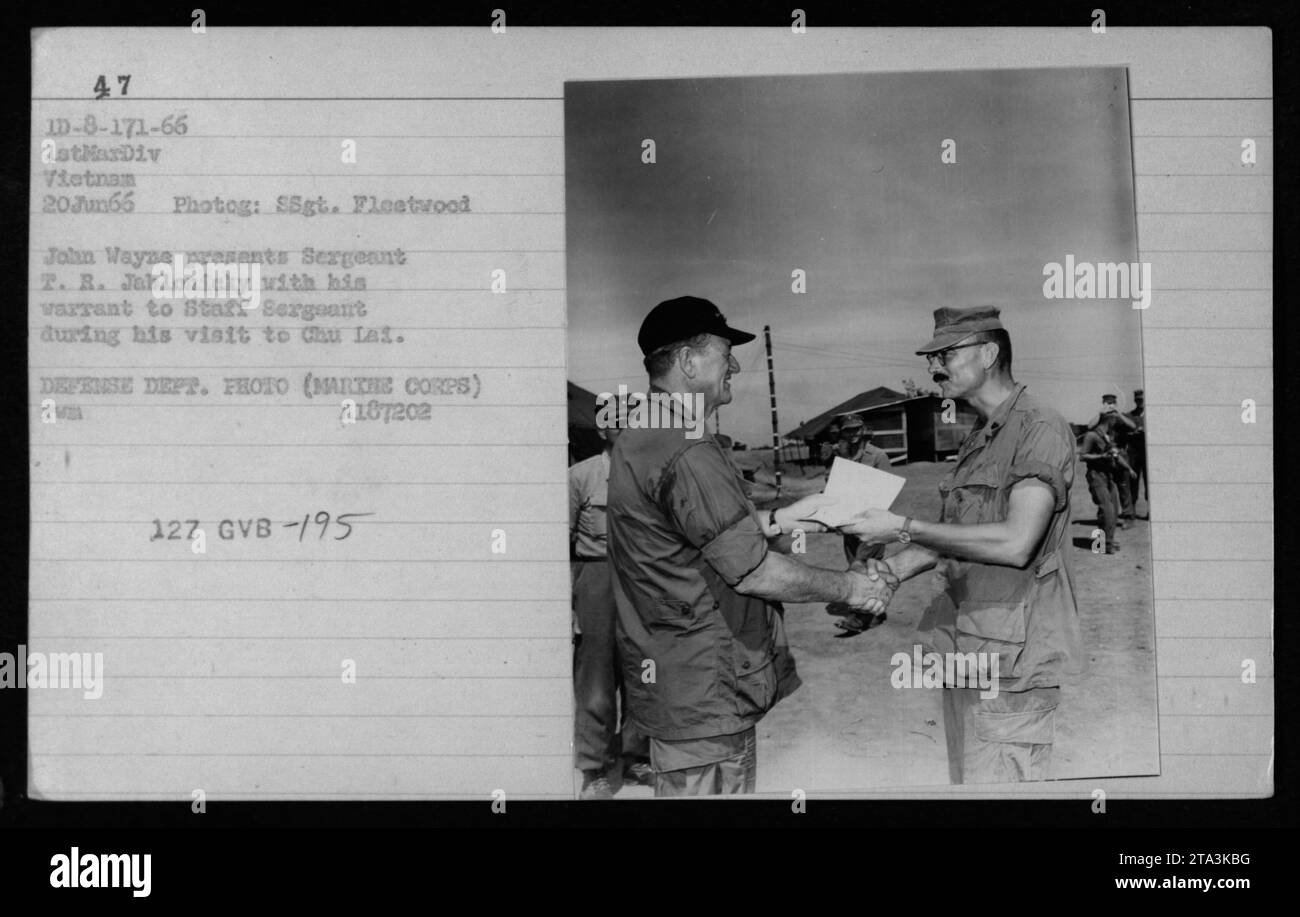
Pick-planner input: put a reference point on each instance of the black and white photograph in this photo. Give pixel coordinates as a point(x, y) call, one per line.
point(914, 472)
point(857, 490)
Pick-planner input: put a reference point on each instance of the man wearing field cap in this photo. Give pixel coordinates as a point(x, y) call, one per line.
point(1107, 474)
point(858, 448)
point(999, 550)
point(696, 586)
point(1120, 425)
point(831, 445)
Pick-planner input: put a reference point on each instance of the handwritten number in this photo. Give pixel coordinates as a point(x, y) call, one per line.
point(346, 525)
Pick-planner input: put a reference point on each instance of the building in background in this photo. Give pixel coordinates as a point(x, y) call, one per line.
point(909, 429)
point(584, 439)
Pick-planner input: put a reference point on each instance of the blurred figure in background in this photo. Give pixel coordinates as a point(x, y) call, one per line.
point(598, 742)
point(1107, 472)
point(830, 445)
point(856, 438)
point(1137, 452)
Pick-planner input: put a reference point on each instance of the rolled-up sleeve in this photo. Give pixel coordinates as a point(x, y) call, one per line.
point(1045, 453)
point(703, 497)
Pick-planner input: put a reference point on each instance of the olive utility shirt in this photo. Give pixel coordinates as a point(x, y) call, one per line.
point(700, 659)
point(1027, 616)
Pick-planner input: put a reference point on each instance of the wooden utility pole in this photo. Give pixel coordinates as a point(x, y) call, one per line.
point(771, 388)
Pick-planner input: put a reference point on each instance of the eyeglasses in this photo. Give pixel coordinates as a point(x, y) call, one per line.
point(943, 356)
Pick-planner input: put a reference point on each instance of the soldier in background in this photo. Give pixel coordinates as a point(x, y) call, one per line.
point(1107, 469)
point(830, 445)
point(1120, 426)
point(858, 448)
point(856, 437)
point(598, 742)
point(1137, 452)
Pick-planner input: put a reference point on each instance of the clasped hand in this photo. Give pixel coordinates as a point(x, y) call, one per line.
point(874, 585)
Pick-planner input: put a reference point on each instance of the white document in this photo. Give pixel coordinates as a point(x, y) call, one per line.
point(856, 488)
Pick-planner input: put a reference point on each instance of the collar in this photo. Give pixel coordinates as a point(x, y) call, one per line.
point(678, 407)
point(998, 418)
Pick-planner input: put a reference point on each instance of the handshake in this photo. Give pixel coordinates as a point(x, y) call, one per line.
point(872, 586)
point(872, 583)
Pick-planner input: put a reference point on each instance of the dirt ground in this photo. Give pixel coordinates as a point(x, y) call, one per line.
point(847, 728)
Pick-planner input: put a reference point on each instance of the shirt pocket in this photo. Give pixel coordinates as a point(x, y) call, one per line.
point(1054, 642)
point(748, 647)
point(974, 497)
point(752, 657)
point(992, 629)
point(688, 676)
point(596, 516)
point(673, 615)
point(755, 680)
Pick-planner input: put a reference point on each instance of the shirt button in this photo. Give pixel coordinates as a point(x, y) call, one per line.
point(745, 664)
point(717, 605)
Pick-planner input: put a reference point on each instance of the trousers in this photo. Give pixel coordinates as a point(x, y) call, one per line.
point(597, 677)
point(1002, 739)
point(1105, 493)
point(1137, 460)
point(713, 766)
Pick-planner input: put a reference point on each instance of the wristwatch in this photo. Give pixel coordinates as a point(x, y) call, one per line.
point(905, 534)
point(773, 524)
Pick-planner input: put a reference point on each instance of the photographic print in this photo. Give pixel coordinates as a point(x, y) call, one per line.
point(791, 298)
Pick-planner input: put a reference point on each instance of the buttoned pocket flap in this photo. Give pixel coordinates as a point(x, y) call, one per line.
point(1025, 727)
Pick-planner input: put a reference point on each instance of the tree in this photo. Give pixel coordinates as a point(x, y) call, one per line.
point(912, 390)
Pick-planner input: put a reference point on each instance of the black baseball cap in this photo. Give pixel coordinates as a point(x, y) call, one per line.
point(682, 318)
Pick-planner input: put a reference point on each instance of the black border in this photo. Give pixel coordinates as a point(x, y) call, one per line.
point(953, 817)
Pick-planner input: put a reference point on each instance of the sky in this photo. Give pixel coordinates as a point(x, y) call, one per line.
point(841, 176)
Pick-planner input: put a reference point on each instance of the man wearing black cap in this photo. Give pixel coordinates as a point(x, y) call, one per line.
point(1007, 600)
point(696, 585)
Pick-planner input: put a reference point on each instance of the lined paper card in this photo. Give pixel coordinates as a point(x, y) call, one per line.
point(372, 457)
point(372, 460)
